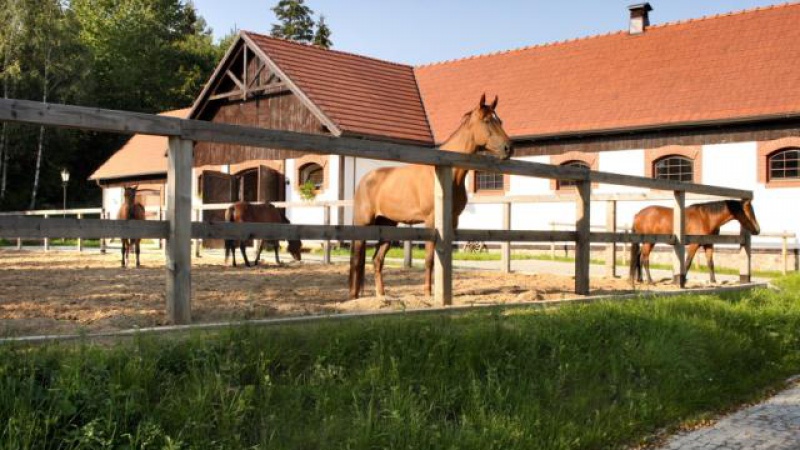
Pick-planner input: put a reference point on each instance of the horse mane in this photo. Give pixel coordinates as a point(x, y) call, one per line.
point(464, 119)
point(720, 206)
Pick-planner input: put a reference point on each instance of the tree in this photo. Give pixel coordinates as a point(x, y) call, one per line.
point(322, 38)
point(10, 73)
point(295, 20)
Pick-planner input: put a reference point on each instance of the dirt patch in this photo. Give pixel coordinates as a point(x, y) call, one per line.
point(66, 292)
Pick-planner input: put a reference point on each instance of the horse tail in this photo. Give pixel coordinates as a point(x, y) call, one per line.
point(358, 252)
point(636, 262)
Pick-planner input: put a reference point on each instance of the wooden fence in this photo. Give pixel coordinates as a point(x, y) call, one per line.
point(178, 229)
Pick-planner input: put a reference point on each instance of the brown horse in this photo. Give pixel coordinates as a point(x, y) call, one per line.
point(247, 212)
point(389, 196)
point(702, 219)
point(130, 210)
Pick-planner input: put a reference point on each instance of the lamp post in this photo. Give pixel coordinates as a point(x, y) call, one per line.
point(64, 181)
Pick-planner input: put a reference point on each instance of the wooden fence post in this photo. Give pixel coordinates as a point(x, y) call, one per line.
point(103, 216)
point(583, 236)
point(408, 254)
point(47, 239)
point(179, 243)
point(552, 243)
point(326, 257)
point(745, 270)
point(505, 247)
point(80, 241)
point(443, 222)
point(198, 218)
point(679, 236)
point(611, 248)
point(785, 251)
point(160, 217)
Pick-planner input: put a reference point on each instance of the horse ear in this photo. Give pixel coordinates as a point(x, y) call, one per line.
point(483, 100)
point(494, 103)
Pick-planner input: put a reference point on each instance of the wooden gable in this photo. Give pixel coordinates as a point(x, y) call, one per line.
point(248, 89)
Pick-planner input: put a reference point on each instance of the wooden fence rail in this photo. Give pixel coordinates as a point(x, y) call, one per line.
point(179, 230)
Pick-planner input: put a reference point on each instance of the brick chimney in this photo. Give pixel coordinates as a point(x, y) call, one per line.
point(640, 17)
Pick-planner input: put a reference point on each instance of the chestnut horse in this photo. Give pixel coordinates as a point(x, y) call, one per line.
point(702, 219)
point(130, 210)
point(247, 212)
point(393, 195)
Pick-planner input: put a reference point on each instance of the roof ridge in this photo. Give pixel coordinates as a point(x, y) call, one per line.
point(311, 46)
point(610, 33)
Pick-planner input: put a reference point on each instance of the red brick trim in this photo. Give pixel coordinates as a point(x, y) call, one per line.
point(322, 160)
point(767, 148)
point(591, 160)
point(693, 152)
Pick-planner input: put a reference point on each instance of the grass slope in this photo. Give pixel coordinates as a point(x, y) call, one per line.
point(580, 377)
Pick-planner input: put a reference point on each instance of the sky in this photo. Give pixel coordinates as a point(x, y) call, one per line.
point(425, 31)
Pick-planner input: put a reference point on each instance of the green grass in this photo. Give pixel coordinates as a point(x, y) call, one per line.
point(54, 242)
point(580, 377)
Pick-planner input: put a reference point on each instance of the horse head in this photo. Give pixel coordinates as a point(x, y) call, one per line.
point(746, 215)
point(294, 249)
point(487, 129)
point(130, 194)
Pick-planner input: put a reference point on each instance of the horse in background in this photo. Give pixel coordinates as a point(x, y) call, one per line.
point(130, 210)
point(393, 195)
point(241, 212)
point(702, 219)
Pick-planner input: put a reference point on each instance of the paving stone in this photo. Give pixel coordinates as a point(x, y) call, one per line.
point(773, 424)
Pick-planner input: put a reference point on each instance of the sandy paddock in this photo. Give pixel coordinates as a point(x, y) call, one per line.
point(66, 292)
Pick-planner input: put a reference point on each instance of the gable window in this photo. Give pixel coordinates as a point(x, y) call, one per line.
point(489, 181)
point(570, 184)
point(674, 168)
point(785, 164)
point(314, 173)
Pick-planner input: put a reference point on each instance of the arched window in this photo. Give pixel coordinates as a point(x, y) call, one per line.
point(674, 168)
point(570, 184)
point(784, 164)
point(314, 173)
point(489, 181)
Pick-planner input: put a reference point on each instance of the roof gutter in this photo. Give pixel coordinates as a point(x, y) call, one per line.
point(659, 127)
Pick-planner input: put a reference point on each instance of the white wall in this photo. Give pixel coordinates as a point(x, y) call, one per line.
point(112, 200)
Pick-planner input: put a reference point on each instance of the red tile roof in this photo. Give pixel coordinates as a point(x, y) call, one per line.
point(718, 68)
point(362, 96)
point(141, 155)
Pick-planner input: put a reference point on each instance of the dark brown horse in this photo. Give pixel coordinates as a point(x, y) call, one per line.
point(247, 212)
point(130, 210)
point(702, 219)
point(389, 196)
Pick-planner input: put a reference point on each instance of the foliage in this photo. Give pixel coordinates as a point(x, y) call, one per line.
point(604, 375)
point(137, 55)
point(297, 24)
point(308, 190)
point(295, 21)
point(322, 37)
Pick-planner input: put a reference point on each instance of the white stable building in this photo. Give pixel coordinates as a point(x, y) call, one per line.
point(714, 100)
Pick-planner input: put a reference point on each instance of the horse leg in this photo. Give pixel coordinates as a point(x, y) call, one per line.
point(358, 253)
point(635, 271)
point(692, 249)
point(228, 247)
point(645, 260)
point(429, 252)
point(710, 261)
point(136, 243)
point(276, 245)
point(123, 251)
point(244, 254)
point(377, 261)
point(258, 253)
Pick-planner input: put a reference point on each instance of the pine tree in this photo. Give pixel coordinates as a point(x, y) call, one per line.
point(295, 22)
point(322, 38)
